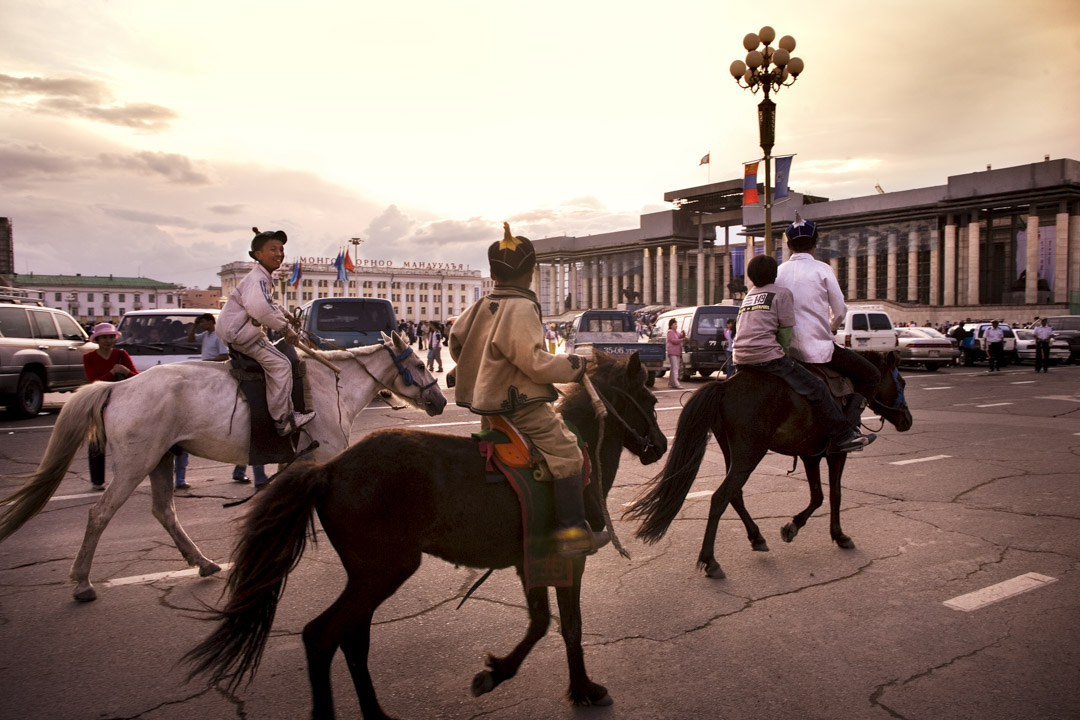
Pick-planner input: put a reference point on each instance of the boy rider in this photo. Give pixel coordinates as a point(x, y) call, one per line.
point(762, 340)
point(815, 290)
point(242, 322)
point(504, 369)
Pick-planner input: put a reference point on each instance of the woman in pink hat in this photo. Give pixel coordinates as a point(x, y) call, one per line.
point(106, 364)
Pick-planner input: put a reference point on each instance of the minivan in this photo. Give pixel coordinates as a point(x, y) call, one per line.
point(160, 337)
point(345, 322)
point(703, 326)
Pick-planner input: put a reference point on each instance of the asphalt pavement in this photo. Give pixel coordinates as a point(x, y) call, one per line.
point(960, 600)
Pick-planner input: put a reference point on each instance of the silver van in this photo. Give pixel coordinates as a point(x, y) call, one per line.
point(703, 325)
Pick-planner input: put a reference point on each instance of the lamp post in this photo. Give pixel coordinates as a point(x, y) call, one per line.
point(767, 69)
point(356, 246)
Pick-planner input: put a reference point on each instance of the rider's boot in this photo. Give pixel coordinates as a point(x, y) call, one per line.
point(855, 440)
point(573, 535)
point(291, 423)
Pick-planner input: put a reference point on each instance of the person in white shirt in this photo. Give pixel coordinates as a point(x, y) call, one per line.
point(993, 343)
point(1042, 333)
point(248, 313)
point(817, 294)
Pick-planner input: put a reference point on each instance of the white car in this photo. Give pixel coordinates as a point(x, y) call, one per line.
point(1025, 348)
point(867, 329)
point(159, 337)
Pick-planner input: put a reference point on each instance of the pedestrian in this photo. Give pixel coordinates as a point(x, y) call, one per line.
point(552, 338)
point(106, 364)
point(1043, 333)
point(503, 368)
point(729, 348)
point(993, 343)
point(674, 344)
point(249, 312)
point(435, 343)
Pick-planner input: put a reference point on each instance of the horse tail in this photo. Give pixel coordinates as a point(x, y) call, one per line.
point(80, 418)
point(273, 539)
point(660, 501)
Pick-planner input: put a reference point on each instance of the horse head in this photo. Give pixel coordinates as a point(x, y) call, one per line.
point(412, 381)
point(630, 403)
point(889, 401)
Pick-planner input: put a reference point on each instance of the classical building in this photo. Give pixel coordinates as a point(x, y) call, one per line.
point(94, 298)
point(417, 290)
point(939, 253)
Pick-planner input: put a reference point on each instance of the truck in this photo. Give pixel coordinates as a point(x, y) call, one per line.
point(614, 332)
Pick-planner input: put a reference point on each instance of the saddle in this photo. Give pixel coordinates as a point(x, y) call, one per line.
point(839, 385)
point(509, 456)
point(266, 446)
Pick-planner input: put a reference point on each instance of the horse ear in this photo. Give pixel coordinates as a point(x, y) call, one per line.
point(633, 366)
point(385, 338)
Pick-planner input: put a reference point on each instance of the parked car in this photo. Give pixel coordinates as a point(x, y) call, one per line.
point(346, 322)
point(615, 332)
point(867, 328)
point(1025, 348)
point(970, 334)
point(159, 337)
point(1067, 328)
point(703, 326)
point(41, 351)
point(926, 347)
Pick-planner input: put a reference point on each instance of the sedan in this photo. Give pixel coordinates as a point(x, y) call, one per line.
point(927, 347)
point(1025, 348)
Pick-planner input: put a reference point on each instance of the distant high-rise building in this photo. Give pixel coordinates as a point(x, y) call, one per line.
point(7, 251)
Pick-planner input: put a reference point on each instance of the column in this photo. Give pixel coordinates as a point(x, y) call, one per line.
point(560, 288)
point(871, 268)
point(1074, 250)
point(660, 275)
point(553, 290)
point(728, 277)
point(950, 261)
point(890, 269)
point(673, 276)
point(637, 284)
point(646, 271)
point(913, 266)
point(973, 259)
point(575, 294)
point(935, 273)
point(711, 295)
point(594, 301)
point(1031, 288)
point(748, 255)
point(605, 284)
point(853, 269)
point(1061, 254)
point(834, 263)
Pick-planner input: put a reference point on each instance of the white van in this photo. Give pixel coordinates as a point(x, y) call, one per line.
point(159, 337)
point(867, 328)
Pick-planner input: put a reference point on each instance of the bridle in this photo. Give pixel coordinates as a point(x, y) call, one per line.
point(643, 441)
point(899, 403)
point(404, 372)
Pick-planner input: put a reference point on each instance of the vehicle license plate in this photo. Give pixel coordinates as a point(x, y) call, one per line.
point(935, 353)
point(863, 342)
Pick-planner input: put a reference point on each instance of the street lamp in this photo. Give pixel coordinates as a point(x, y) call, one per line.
point(356, 246)
point(756, 74)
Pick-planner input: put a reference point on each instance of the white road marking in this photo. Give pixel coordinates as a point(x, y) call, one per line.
point(1063, 398)
point(993, 405)
point(1023, 382)
point(940, 387)
point(676, 407)
point(918, 460)
point(700, 493)
point(154, 577)
point(448, 424)
point(93, 494)
point(1001, 591)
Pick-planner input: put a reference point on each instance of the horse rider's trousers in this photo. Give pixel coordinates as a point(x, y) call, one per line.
point(278, 371)
point(546, 430)
point(811, 387)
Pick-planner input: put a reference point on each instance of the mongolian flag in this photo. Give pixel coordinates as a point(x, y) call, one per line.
point(704, 160)
point(294, 278)
point(349, 263)
point(749, 193)
point(783, 168)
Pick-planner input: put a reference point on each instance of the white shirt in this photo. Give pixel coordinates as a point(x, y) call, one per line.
point(994, 335)
point(816, 292)
point(1042, 332)
point(251, 300)
point(212, 346)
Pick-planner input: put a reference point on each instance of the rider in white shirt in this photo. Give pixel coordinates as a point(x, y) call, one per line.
point(817, 294)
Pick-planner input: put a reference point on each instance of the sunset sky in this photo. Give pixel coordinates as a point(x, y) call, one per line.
point(146, 137)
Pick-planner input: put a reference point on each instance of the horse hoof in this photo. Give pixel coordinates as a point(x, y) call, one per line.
point(483, 682)
point(788, 532)
point(593, 696)
point(208, 570)
point(845, 542)
point(715, 571)
point(87, 595)
point(760, 545)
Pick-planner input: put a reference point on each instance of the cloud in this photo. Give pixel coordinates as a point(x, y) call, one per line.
point(176, 168)
point(228, 209)
point(18, 161)
point(149, 218)
point(84, 98)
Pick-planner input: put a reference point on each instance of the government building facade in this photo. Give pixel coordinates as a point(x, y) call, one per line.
point(995, 244)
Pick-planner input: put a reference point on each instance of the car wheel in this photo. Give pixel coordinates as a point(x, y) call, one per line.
point(932, 367)
point(651, 381)
point(29, 395)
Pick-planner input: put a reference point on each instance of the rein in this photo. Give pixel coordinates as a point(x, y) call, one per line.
point(899, 403)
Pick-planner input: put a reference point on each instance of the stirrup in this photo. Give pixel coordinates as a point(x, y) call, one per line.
point(579, 541)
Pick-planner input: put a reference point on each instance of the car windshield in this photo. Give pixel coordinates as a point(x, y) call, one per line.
point(1023, 334)
point(154, 329)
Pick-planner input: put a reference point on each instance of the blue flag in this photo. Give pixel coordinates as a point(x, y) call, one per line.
point(294, 277)
point(783, 169)
point(339, 263)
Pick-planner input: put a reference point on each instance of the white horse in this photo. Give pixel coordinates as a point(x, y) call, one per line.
point(197, 406)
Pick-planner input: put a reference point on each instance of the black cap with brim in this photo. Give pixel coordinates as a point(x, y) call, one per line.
point(261, 238)
point(511, 256)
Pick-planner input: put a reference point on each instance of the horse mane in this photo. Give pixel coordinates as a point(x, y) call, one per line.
point(607, 371)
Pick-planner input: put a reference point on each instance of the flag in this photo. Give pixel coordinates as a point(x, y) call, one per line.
point(783, 169)
point(339, 263)
point(749, 192)
point(349, 263)
point(294, 278)
point(704, 160)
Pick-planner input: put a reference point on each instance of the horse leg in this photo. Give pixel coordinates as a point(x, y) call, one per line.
point(582, 690)
point(348, 623)
point(736, 477)
point(836, 462)
point(753, 533)
point(163, 508)
point(813, 478)
point(502, 669)
point(116, 494)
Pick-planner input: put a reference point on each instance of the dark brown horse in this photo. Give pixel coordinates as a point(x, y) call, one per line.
point(407, 493)
point(749, 415)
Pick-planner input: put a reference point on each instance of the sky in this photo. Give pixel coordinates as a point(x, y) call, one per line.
point(147, 137)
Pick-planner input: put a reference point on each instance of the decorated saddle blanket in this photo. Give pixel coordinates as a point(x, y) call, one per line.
point(510, 457)
point(266, 445)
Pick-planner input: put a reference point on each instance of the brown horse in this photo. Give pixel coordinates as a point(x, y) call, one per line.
point(749, 415)
point(407, 493)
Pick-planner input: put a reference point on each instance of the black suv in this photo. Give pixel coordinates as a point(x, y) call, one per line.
point(41, 351)
point(1067, 327)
